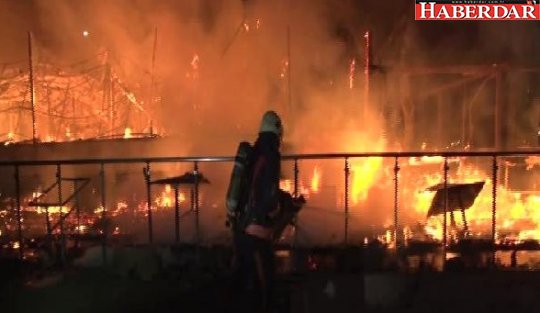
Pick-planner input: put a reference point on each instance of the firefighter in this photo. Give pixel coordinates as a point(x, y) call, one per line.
point(262, 206)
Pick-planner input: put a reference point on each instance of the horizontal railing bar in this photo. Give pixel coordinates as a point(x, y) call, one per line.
point(45, 204)
point(413, 154)
point(76, 179)
point(284, 157)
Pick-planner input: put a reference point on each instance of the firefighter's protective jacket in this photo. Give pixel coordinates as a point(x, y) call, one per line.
point(264, 182)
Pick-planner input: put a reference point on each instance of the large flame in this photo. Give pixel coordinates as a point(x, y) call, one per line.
point(517, 217)
point(316, 180)
point(364, 174)
point(166, 198)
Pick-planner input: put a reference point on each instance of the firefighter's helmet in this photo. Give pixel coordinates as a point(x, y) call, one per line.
point(271, 122)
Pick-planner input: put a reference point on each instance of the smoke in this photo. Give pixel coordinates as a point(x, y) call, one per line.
point(219, 64)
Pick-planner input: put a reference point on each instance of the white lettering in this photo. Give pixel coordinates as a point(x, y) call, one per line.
point(432, 10)
point(470, 11)
point(528, 12)
point(483, 12)
point(424, 9)
point(497, 9)
point(459, 11)
point(513, 13)
point(444, 12)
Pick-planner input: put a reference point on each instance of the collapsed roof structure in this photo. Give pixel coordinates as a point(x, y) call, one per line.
point(86, 100)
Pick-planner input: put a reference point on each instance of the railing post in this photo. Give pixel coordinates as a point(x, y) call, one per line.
point(296, 179)
point(18, 208)
point(103, 213)
point(50, 243)
point(396, 200)
point(347, 172)
point(49, 227)
point(147, 177)
point(77, 211)
point(196, 199)
point(495, 168)
point(60, 200)
point(176, 215)
point(445, 222)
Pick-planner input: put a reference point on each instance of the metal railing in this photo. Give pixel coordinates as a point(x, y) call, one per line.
point(197, 160)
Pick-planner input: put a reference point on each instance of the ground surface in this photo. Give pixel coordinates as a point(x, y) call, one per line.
point(203, 285)
point(98, 291)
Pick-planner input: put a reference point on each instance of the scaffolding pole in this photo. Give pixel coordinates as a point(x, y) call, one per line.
point(32, 89)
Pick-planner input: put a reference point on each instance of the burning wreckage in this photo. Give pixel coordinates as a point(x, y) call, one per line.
point(77, 178)
point(76, 204)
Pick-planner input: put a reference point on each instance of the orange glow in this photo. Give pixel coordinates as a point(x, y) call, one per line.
point(85, 116)
point(518, 213)
point(10, 138)
point(193, 72)
point(364, 174)
point(166, 198)
point(195, 62)
point(532, 161)
point(127, 133)
point(99, 210)
point(426, 160)
point(352, 67)
point(315, 180)
point(286, 185)
point(284, 68)
point(52, 209)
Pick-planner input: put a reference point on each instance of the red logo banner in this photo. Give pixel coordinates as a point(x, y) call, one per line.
point(478, 10)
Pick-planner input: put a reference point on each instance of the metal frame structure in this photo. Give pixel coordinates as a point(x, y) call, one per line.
point(77, 188)
point(196, 160)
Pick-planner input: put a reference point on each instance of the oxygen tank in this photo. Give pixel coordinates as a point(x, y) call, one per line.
point(237, 191)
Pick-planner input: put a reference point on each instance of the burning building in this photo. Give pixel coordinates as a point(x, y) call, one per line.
point(192, 77)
